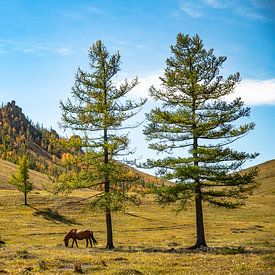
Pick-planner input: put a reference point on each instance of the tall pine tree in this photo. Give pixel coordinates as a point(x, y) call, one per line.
point(98, 113)
point(196, 125)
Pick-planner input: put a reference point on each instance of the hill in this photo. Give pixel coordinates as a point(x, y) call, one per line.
point(7, 168)
point(266, 177)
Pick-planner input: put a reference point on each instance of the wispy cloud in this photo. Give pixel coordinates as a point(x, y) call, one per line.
point(81, 13)
point(94, 10)
point(64, 51)
point(253, 10)
point(261, 4)
point(33, 48)
point(250, 13)
point(215, 4)
point(191, 9)
point(73, 15)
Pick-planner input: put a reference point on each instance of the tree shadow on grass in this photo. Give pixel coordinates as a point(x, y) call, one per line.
point(181, 250)
point(54, 216)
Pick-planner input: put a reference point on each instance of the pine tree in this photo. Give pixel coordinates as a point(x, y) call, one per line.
point(196, 125)
point(21, 179)
point(98, 114)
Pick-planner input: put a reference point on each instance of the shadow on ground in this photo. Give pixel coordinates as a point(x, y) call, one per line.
point(181, 250)
point(54, 216)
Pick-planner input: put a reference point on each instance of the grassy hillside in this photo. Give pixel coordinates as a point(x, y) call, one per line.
point(266, 177)
point(7, 168)
point(39, 179)
point(149, 239)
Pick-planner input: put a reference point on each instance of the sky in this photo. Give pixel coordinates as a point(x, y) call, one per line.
point(43, 42)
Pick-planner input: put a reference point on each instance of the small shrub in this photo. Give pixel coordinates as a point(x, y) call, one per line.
point(23, 254)
point(78, 268)
point(42, 265)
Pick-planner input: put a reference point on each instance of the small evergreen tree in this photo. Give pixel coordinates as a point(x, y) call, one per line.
point(98, 114)
point(21, 179)
point(194, 116)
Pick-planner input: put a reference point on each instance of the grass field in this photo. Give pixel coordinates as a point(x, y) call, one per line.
point(149, 239)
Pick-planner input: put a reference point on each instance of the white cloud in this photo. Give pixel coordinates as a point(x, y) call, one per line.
point(192, 9)
point(145, 82)
point(256, 92)
point(252, 91)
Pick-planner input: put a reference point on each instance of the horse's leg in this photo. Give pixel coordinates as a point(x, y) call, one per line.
point(90, 242)
point(87, 243)
point(76, 243)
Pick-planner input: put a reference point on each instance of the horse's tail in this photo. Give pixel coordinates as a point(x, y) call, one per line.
point(93, 238)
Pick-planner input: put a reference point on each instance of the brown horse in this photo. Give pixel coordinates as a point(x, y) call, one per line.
point(80, 235)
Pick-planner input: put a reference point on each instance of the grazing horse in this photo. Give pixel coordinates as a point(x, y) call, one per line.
point(80, 235)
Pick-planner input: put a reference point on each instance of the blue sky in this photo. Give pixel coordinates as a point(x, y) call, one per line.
point(43, 42)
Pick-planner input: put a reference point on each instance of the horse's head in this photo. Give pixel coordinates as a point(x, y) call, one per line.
point(66, 241)
point(69, 236)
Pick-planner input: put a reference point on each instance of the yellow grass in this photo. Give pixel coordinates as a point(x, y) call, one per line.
point(149, 239)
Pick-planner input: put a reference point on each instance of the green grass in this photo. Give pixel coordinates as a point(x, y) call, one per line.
point(149, 239)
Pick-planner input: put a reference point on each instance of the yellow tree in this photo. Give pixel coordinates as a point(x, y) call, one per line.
point(21, 179)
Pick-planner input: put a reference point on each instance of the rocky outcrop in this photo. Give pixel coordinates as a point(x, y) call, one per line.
point(19, 135)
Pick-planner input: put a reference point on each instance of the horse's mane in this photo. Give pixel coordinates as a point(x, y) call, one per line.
point(68, 235)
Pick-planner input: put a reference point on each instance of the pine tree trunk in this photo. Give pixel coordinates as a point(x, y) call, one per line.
point(198, 200)
point(109, 244)
point(109, 228)
point(199, 221)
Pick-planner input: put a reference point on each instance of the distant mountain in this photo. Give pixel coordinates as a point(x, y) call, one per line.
point(19, 135)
